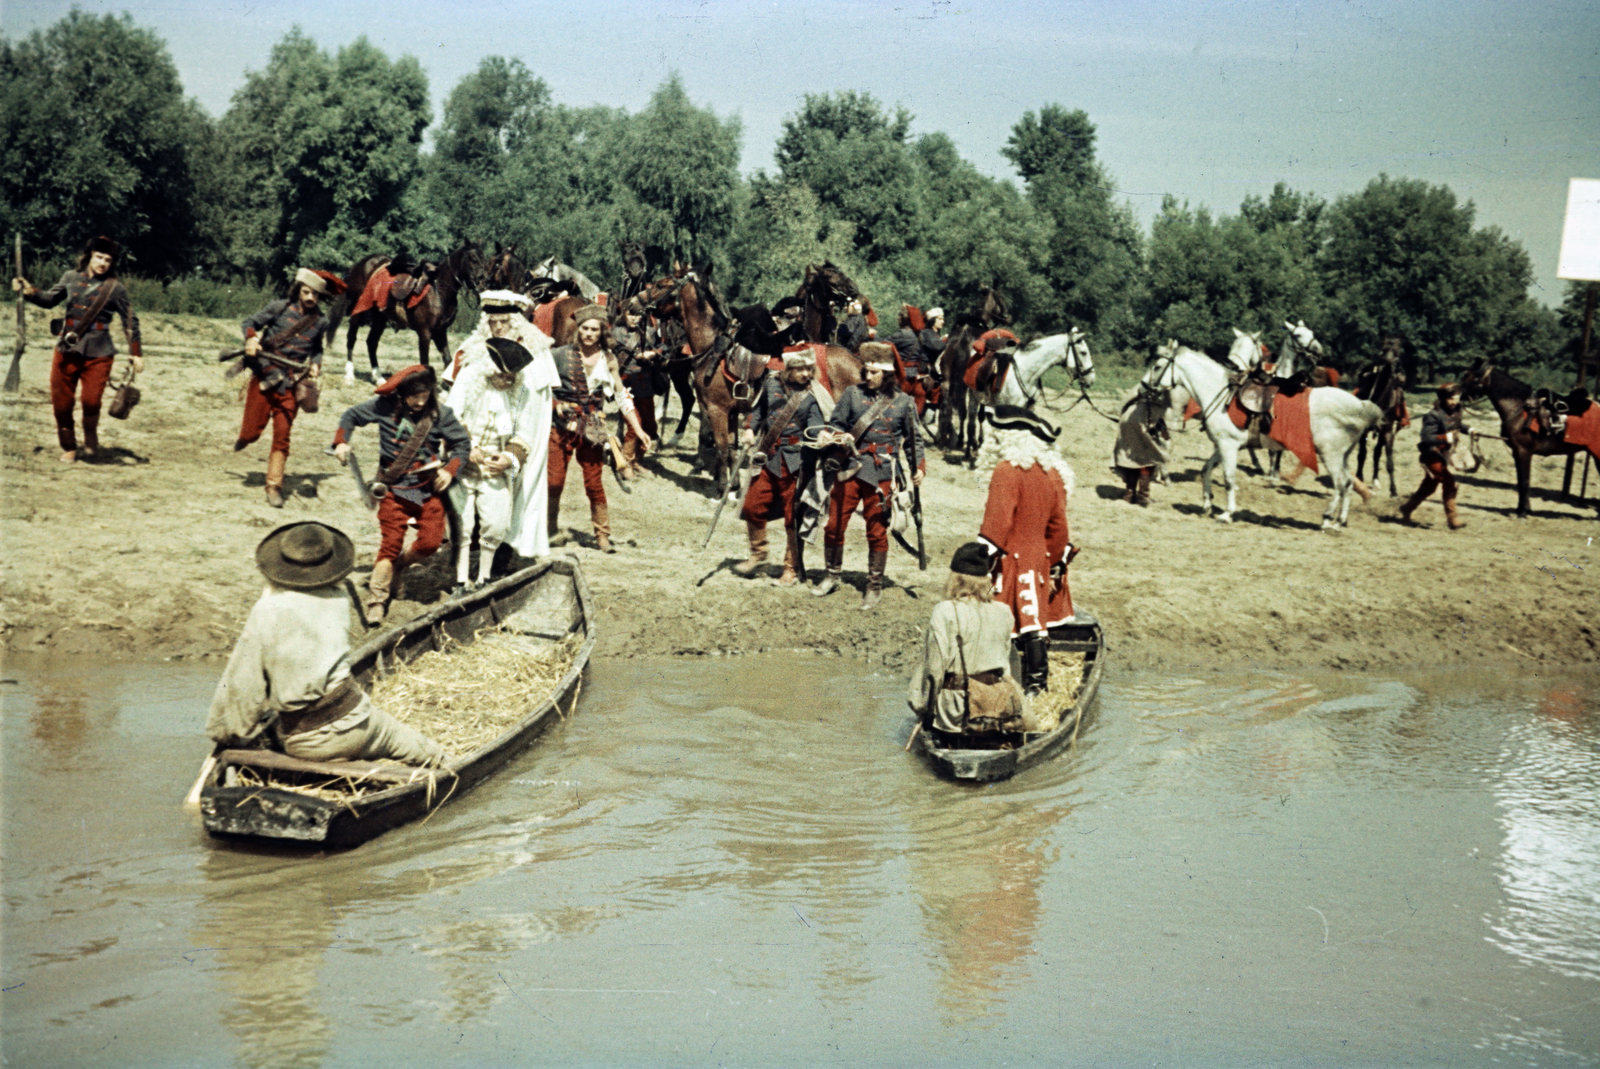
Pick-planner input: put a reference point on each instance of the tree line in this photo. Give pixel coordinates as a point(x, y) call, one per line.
point(320, 159)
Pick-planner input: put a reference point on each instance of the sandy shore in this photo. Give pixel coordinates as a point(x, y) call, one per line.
point(148, 552)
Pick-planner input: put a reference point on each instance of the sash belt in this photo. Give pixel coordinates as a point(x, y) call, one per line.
point(339, 701)
point(991, 678)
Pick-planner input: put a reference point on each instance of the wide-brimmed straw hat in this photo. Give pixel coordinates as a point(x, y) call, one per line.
point(1015, 418)
point(305, 555)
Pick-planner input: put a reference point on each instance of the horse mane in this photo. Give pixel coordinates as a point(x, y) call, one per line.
point(1504, 384)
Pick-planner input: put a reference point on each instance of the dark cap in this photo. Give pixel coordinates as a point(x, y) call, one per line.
point(970, 559)
point(509, 355)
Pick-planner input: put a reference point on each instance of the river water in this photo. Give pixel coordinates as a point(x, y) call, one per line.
point(731, 862)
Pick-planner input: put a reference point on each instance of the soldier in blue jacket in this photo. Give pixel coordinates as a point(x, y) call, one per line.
point(783, 414)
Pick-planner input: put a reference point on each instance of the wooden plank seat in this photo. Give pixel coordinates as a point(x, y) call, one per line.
point(372, 771)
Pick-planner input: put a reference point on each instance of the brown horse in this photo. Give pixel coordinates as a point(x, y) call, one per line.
point(506, 271)
point(958, 418)
point(1384, 384)
point(1525, 422)
point(430, 317)
point(823, 288)
point(717, 365)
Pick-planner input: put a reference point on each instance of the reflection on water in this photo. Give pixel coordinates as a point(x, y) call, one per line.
point(1549, 795)
point(736, 863)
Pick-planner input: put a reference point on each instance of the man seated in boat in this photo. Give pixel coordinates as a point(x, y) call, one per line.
point(964, 685)
point(288, 682)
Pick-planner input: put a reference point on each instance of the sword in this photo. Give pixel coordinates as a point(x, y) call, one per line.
point(722, 499)
point(14, 375)
point(363, 488)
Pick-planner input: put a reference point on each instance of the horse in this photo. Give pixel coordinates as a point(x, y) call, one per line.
point(555, 271)
point(1525, 422)
point(1025, 381)
point(822, 288)
point(958, 417)
point(1338, 419)
point(430, 317)
point(506, 271)
point(1383, 383)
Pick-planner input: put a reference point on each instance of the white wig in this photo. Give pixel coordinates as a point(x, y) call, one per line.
point(1022, 449)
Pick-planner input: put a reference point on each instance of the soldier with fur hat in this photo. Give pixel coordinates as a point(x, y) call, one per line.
point(288, 680)
point(782, 417)
point(881, 423)
point(1025, 529)
point(589, 378)
point(421, 447)
point(290, 331)
point(84, 351)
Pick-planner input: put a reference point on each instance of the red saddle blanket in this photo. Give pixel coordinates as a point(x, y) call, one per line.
point(1291, 424)
point(1584, 430)
point(544, 317)
point(375, 294)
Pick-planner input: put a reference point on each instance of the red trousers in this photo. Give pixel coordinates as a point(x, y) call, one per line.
point(645, 404)
point(769, 497)
point(393, 513)
point(278, 408)
point(66, 372)
point(1436, 473)
point(874, 504)
point(591, 458)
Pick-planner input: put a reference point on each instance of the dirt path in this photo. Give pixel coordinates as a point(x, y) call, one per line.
point(150, 551)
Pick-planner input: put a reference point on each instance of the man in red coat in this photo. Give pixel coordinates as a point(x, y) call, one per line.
point(1025, 528)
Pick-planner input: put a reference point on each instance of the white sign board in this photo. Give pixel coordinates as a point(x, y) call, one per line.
point(1580, 236)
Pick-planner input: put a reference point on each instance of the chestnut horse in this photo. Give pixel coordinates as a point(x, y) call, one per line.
point(958, 416)
point(1526, 436)
point(430, 318)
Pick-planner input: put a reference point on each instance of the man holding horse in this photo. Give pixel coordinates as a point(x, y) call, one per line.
point(877, 423)
point(639, 358)
point(84, 351)
point(783, 415)
point(589, 378)
point(1441, 428)
point(283, 352)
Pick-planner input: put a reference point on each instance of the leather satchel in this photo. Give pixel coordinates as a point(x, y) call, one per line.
point(307, 394)
point(126, 397)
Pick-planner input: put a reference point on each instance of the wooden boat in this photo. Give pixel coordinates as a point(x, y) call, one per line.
point(951, 755)
point(541, 605)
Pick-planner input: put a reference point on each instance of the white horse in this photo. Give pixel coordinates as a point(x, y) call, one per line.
point(557, 271)
point(1300, 350)
point(1338, 420)
point(1245, 354)
point(1022, 384)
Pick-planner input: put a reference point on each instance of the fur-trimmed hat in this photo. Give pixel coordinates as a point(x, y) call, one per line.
point(325, 283)
point(305, 555)
point(1014, 418)
point(911, 314)
point(105, 245)
point(501, 302)
point(401, 382)
point(934, 313)
point(508, 355)
point(592, 311)
point(800, 358)
point(877, 354)
point(970, 559)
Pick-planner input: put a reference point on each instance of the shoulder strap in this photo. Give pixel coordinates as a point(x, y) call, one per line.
point(785, 414)
point(108, 290)
point(865, 422)
point(408, 452)
point(291, 330)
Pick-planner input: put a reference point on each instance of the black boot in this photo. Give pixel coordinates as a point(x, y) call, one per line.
point(1035, 661)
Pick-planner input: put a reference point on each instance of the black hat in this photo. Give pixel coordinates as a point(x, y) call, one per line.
point(105, 245)
point(509, 355)
point(970, 559)
point(305, 555)
point(1014, 418)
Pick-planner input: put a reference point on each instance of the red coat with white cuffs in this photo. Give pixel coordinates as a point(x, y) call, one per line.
point(1026, 520)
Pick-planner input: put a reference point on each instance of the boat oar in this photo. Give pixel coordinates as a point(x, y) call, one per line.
point(914, 733)
point(192, 799)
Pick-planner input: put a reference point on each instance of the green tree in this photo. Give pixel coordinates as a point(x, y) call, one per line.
point(96, 137)
point(323, 152)
point(1403, 255)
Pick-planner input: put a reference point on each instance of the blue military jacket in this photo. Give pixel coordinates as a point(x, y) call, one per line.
point(447, 446)
point(786, 455)
point(894, 429)
point(80, 291)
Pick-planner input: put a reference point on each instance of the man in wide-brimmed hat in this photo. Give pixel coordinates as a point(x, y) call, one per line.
point(288, 680)
point(283, 349)
point(1025, 528)
point(881, 423)
point(783, 414)
point(589, 378)
point(505, 415)
point(421, 447)
point(84, 351)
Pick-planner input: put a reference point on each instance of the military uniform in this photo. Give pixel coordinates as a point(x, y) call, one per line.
point(772, 491)
point(580, 403)
point(87, 363)
point(1440, 431)
point(270, 395)
point(892, 431)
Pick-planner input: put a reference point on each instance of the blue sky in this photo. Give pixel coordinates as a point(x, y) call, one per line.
point(1206, 101)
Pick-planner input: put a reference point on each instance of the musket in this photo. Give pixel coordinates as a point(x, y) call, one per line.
point(722, 499)
point(14, 375)
point(916, 518)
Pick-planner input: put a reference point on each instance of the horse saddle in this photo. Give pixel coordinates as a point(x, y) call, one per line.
point(1547, 411)
point(988, 372)
point(744, 370)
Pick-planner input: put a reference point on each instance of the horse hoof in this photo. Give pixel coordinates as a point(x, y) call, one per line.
point(1224, 517)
